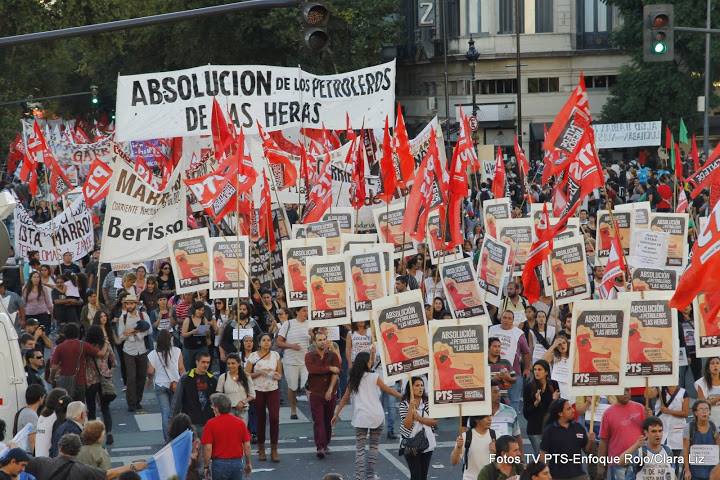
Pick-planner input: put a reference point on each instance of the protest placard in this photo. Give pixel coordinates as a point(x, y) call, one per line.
point(648, 248)
point(491, 269)
point(462, 291)
point(368, 281)
point(295, 252)
point(494, 210)
point(517, 234)
point(652, 340)
point(460, 374)
point(435, 240)
point(229, 265)
point(190, 260)
point(568, 271)
point(388, 224)
point(646, 279)
point(327, 280)
point(401, 329)
point(598, 349)
point(676, 225)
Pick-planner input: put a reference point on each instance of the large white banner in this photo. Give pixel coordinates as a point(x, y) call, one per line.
point(139, 218)
point(71, 231)
point(179, 103)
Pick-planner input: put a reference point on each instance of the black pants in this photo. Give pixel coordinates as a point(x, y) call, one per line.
point(136, 371)
point(419, 465)
point(93, 395)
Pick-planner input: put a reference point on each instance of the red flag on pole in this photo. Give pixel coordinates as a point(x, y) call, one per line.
point(402, 147)
point(387, 168)
point(358, 194)
point(59, 182)
point(265, 223)
point(28, 173)
point(539, 251)
point(682, 205)
point(678, 164)
point(97, 183)
point(614, 268)
point(320, 197)
point(420, 197)
point(694, 154)
point(521, 158)
point(221, 134)
point(498, 183)
point(458, 186)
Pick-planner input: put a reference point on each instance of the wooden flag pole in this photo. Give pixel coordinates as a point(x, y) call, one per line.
point(593, 406)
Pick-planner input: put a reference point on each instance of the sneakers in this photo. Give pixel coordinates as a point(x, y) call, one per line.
point(293, 416)
point(391, 435)
point(320, 454)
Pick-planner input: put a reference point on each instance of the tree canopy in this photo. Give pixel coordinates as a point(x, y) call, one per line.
point(664, 91)
point(358, 30)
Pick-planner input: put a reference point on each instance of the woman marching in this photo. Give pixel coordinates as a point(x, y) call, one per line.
point(365, 386)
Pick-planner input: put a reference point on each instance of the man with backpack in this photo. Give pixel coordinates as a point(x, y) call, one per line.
point(564, 436)
point(648, 457)
point(133, 327)
point(34, 398)
point(474, 446)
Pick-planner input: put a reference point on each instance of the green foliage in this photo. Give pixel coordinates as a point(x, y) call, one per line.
point(667, 90)
point(358, 31)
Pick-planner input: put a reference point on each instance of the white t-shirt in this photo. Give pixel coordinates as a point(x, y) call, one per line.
point(43, 437)
point(267, 365)
point(165, 374)
point(295, 332)
point(478, 453)
point(714, 411)
point(368, 411)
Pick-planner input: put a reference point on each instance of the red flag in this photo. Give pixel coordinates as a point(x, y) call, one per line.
point(402, 147)
point(521, 158)
point(305, 170)
point(498, 183)
point(15, 154)
point(387, 168)
point(349, 132)
point(703, 177)
point(678, 164)
point(221, 134)
point(243, 163)
point(265, 224)
point(458, 186)
point(97, 183)
point(668, 140)
point(36, 140)
point(320, 197)
point(694, 154)
point(281, 167)
point(28, 173)
point(59, 182)
point(358, 195)
point(539, 251)
point(283, 143)
point(614, 268)
point(419, 200)
point(571, 122)
point(701, 275)
point(682, 205)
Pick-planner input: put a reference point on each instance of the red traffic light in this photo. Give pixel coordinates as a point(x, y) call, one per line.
point(316, 14)
point(660, 21)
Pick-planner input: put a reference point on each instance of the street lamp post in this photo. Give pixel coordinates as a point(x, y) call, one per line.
point(472, 56)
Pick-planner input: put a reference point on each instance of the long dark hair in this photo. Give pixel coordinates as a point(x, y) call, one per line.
point(242, 376)
point(178, 424)
point(242, 347)
point(358, 370)
point(52, 400)
point(28, 288)
point(535, 383)
point(95, 336)
point(406, 393)
point(108, 324)
point(706, 373)
point(171, 276)
point(164, 345)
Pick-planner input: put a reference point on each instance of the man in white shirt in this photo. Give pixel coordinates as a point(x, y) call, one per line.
point(293, 338)
point(133, 327)
point(514, 347)
point(474, 446)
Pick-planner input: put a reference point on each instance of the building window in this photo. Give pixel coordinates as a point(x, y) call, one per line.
point(543, 16)
point(473, 16)
point(452, 88)
point(600, 81)
point(506, 17)
point(494, 87)
point(543, 85)
point(596, 16)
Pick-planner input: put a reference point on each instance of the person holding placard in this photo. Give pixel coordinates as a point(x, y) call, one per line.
point(687, 358)
point(700, 440)
point(654, 460)
point(564, 436)
point(196, 333)
point(474, 446)
point(513, 348)
point(414, 418)
point(621, 425)
point(538, 394)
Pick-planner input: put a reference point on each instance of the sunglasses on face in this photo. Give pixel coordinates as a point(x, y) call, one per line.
point(38, 358)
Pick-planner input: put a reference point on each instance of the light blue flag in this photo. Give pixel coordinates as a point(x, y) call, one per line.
point(172, 461)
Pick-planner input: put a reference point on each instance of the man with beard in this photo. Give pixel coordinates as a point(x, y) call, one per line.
point(228, 343)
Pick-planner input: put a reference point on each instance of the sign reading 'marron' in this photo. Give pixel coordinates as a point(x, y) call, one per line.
point(179, 103)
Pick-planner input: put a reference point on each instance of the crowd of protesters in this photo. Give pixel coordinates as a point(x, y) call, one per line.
point(80, 322)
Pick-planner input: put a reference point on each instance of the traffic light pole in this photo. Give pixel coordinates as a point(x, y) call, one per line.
point(146, 21)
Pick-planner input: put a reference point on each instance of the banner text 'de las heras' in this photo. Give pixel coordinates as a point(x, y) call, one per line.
point(179, 103)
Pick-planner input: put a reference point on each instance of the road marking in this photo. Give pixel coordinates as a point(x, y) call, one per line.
point(385, 452)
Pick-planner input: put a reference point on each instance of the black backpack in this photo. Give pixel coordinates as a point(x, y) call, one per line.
point(693, 430)
point(468, 441)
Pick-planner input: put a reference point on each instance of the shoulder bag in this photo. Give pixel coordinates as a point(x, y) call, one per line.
point(173, 383)
point(107, 388)
point(68, 381)
point(416, 444)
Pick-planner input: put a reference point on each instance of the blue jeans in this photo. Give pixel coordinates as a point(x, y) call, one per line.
point(616, 473)
point(515, 394)
point(227, 469)
point(252, 418)
point(389, 404)
point(164, 398)
point(535, 442)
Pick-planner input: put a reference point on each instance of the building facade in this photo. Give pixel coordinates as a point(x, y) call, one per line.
point(559, 39)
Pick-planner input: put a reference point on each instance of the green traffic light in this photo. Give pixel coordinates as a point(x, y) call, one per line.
point(659, 48)
point(95, 101)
